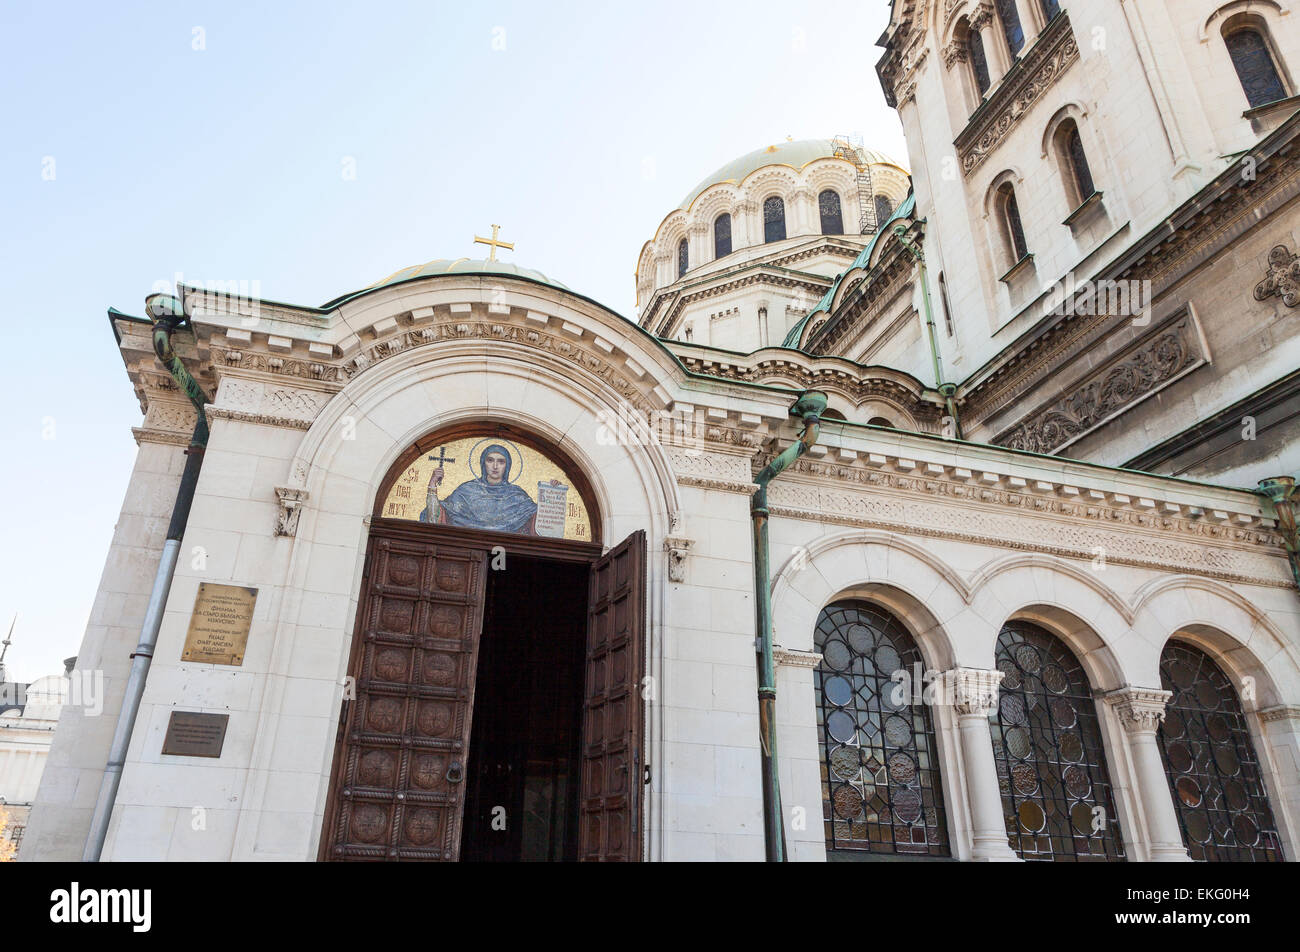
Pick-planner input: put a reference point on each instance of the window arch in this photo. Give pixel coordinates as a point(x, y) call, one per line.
point(881, 421)
point(884, 209)
point(835, 416)
point(1048, 749)
point(722, 235)
point(828, 203)
point(1257, 69)
point(1214, 774)
point(773, 219)
point(683, 257)
point(881, 788)
point(1074, 163)
point(1009, 17)
point(979, 61)
point(1013, 229)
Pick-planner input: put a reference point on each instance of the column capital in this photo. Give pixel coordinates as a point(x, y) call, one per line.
point(1140, 710)
point(981, 15)
point(974, 691)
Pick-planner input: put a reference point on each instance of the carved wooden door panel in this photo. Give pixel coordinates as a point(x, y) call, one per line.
point(397, 790)
point(610, 828)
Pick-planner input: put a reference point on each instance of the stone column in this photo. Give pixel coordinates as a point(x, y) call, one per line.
point(1281, 729)
point(1029, 18)
point(984, 20)
point(974, 693)
point(1141, 710)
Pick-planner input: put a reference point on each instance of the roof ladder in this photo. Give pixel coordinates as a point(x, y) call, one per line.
point(850, 149)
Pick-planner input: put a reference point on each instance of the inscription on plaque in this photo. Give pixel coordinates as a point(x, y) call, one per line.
point(219, 626)
point(191, 734)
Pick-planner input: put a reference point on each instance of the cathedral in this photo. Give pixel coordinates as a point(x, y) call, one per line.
point(935, 507)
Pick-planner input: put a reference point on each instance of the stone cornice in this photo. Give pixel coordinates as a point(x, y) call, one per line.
point(1051, 55)
point(793, 658)
point(1283, 712)
point(1006, 511)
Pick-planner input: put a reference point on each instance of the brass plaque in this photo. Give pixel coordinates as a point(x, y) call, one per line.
point(190, 734)
point(219, 626)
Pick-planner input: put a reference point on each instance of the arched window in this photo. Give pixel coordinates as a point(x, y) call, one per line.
point(1213, 772)
point(1253, 60)
point(683, 257)
point(979, 63)
point(1011, 29)
point(884, 208)
point(828, 203)
point(722, 236)
point(947, 308)
point(1013, 230)
point(1050, 9)
point(880, 775)
point(1056, 791)
point(881, 421)
point(773, 219)
point(835, 416)
point(1074, 162)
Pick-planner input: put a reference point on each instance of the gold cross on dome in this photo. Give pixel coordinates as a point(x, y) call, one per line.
point(492, 256)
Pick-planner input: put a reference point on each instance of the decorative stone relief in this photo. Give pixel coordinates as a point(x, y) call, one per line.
point(1140, 710)
point(1144, 369)
point(677, 549)
point(1282, 279)
point(291, 500)
point(793, 658)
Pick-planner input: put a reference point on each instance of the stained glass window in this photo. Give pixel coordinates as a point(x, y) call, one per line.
point(884, 208)
point(1010, 18)
point(1077, 159)
point(978, 61)
point(1011, 217)
point(1213, 772)
point(828, 203)
point(881, 791)
point(683, 257)
point(1056, 791)
point(1255, 67)
point(774, 219)
point(722, 236)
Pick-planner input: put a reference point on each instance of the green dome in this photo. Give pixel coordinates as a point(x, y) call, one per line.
point(464, 266)
point(794, 154)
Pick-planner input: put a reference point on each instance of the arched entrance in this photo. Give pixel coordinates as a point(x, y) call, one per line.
point(493, 708)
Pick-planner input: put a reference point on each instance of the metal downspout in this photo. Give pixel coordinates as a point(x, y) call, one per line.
point(947, 390)
point(167, 314)
point(810, 407)
point(1281, 492)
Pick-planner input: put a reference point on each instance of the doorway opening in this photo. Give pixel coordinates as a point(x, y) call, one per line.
point(523, 775)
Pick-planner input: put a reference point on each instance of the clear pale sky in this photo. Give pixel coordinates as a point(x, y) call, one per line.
point(131, 155)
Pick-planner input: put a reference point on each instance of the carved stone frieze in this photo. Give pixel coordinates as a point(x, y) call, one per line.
point(794, 658)
point(1282, 279)
point(1051, 56)
point(1025, 521)
point(1143, 369)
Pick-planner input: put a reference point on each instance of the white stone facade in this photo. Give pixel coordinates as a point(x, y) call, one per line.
point(953, 538)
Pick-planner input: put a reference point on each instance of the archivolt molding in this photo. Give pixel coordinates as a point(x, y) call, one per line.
point(987, 574)
point(1258, 7)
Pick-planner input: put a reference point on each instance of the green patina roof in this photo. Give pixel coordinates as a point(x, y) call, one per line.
point(794, 154)
point(455, 266)
point(904, 210)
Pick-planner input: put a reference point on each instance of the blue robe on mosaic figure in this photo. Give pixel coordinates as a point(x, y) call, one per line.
point(480, 504)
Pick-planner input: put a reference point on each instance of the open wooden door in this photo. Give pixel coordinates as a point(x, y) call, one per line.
point(610, 824)
point(397, 791)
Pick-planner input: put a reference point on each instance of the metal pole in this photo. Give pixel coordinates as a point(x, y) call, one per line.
point(810, 407)
point(947, 390)
point(167, 313)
